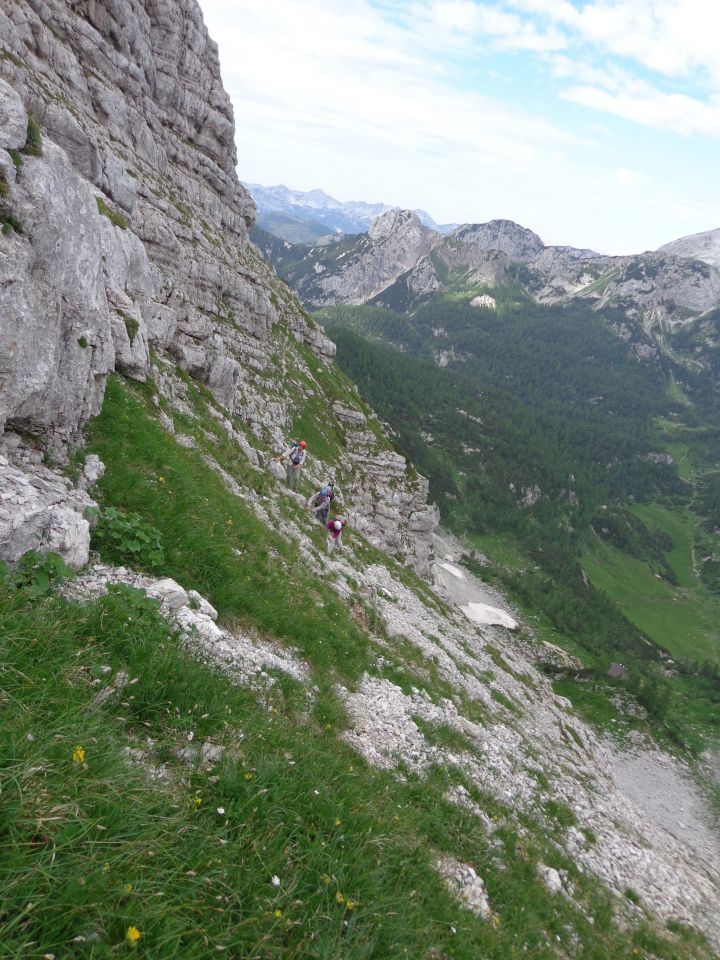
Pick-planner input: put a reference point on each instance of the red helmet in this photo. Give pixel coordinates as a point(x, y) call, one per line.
point(303, 444)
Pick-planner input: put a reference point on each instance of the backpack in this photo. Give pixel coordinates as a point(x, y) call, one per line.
point(296, 455)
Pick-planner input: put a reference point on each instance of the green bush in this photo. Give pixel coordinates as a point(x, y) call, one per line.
point(131, 324)
point(116, 219)
point(17, 159)
point(38, 574)
point(33, 143)
point(9, 223)
point(126, 538)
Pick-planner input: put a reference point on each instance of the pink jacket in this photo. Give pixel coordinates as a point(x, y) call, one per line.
point(330, 527)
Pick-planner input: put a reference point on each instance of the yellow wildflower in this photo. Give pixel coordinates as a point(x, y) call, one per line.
point(197, 801)
point(340, 897)
point(248, 775)
point(338, 822)
point(78, 755)
point(132, 936)
point(350, 905)
point(128, 888)
point(229, 521)
point(161, 479)
point(106, 867)
point(277, 914)
point(326, 878)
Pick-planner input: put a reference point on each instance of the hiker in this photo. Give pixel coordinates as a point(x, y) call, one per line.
point(319, 503)
point(295, 457)
point(335, 531)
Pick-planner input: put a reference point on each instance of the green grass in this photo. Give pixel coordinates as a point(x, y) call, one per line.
point(115, 218)
point(97, 847)
point(202, 524)
point(33, 142)
point(686, 621)
point(131, 324)
point(93, 847)
point(679, 524)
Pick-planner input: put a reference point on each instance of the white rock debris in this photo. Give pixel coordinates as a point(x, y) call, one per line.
point(630, 848)
point(247, 659)
point(484, 614)
point(550, 878)
point(465, 885)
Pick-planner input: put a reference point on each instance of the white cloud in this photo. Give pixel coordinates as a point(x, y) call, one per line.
point(462, 24)
point(671, 37)
point(627, 178)
point(615, 47)
point(375, 103)
point(649, 107)
point(317, 70)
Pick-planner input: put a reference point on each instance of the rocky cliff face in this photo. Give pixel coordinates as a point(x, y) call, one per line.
point(125, 237)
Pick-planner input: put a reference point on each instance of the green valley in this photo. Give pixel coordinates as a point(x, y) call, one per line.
point(551, 448)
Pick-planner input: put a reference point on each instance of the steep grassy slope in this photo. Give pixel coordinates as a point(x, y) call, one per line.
point(291, 845)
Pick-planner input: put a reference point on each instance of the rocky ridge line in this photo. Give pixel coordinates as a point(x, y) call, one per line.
point(400, 263)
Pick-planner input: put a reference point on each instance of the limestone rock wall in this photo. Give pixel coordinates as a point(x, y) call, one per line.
point(126, 233)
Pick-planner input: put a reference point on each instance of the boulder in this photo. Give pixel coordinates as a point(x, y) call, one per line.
point(40, 511)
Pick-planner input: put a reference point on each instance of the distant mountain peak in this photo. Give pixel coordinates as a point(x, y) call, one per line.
point(509, 237)
point(351, 216)
point(700, 246)
point(394, 222)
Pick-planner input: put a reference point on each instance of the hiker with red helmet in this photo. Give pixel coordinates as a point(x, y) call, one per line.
point(295, 458)
point(335, 531)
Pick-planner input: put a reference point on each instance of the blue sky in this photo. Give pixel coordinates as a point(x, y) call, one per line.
point(595, 123)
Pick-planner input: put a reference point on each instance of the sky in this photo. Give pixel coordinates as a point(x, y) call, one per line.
point(595, 123)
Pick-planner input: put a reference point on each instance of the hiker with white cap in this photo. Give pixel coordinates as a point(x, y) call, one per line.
point(335, 531)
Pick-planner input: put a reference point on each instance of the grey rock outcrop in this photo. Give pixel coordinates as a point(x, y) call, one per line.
point(699, 246)
point(504, 236)
point(41, 511)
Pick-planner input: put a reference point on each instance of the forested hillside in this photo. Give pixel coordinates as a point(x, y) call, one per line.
point(541, 435)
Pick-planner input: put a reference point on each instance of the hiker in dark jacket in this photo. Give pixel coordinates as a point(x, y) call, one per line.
point(319, 503)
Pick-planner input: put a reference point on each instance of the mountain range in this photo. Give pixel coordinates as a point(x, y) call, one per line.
point(665, 300)
point(306, 216)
